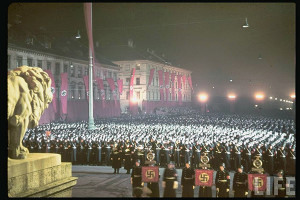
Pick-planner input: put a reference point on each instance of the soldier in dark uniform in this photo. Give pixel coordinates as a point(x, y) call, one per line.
point(222, 182)
point(167, 152)
point(227, 158)
point(98, 152)
point(116, 159)
point(188, 181)
point(52, 146)
point(127, 157)
point(187, 150)
point(74, 152)
point(196, 154)
point(154, 187)
point(240, 183)
point(170, 183)
point(177, 154)
point(107, 153)
point(281, 184)
point(65, 151)
point(157, 152)
point(140, 154)
point(218, 155)
point(281, 158)
point(182, 155)
point(163, 159)
point(39, 146)
point(136, 180)
point(247, 159)
point(291, 161)
point(237, 157)
point(89, 152)
point(269, 161)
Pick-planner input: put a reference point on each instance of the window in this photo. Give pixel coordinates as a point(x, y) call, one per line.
point(8, 61)
point(48, 65)
point(138, 67)
point(137, 80)
point(40, 63)
point(115, 76)
point(80, 91)
point(86, 71)
point(72, 90)
point(72, 71)
point(109, 75)
point(157, 81)
point(98, 73)
point(127, 95)
point(127, 80)
point(29, 62)
point(138, 95)
point(79, 74)
point(65, 68)
point(57, 68)
point(176, 84)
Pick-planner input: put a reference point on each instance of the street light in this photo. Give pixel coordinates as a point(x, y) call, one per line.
point(231, 96)
point(271, 97)
point(259, 96)
point(202, 97)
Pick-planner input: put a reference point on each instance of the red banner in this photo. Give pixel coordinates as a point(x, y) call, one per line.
point(120, 86)
point(101, 89)
point(179, 89)
point(173, 86)
point(52, 90)
point(131, 88)
point(151, 76)
point(150, 174)
point(64, 93)
point(111, 84)
point(190, 82)
point(86, 83)
point(204, 177)
point(257, 182)
point(161, 84)
point(167, 85)
point(183, 81)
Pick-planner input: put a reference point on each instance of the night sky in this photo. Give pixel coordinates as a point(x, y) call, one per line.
point(206, 38)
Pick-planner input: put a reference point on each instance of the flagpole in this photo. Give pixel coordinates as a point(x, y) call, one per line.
point(91, 96)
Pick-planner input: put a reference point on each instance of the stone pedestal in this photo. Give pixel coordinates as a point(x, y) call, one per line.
point(40, 175)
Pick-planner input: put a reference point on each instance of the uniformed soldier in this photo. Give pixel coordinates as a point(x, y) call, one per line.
point(240, 183)
point(163, 159)
point(154, 187)
point(291, 161)
point(227, 156)
point(222, 182)
point(196, 154)
point(98, 152)
point(281, 158)
point(127, 157)
point(107, 153)
point(157, 152)
point(281, 190)
point(247, 159)
point(136, 180)
point(237, 157)
point(269, 161)
point(188, 181)
point(177, 154)
point(218, 155)
point(170, 183)
point(116, 159)
point(205, 191)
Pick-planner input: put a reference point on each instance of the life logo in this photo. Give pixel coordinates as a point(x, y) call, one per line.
point(258, 182)
point(203, 177)
point(150, 174)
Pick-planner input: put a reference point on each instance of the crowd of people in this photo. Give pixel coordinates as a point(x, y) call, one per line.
point(226, 138)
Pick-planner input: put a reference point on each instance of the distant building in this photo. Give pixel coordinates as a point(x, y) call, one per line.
point(129, 57)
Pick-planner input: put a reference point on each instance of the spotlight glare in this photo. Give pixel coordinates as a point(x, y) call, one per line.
point(202, 97)
point(293, 96)
point(271, 97)
point(231, 96)
point(259, 96)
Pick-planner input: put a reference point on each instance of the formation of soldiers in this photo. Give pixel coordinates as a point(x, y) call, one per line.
point(181, 138)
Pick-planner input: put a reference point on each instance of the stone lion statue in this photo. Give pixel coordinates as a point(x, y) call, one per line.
point(29, 94)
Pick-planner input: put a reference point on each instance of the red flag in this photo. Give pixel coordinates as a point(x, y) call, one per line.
point(111, 84)
point(161, 84)
point(183, 81)
point(151, 76)
point(52, 90)
point(257, 182)
point(173, 87)
point(204, 177)
point(150, 174)
point(64, 93)
point(131, 88)
point(179, 89)
point(190, 82)
point(167, 85)
point(86, 83)
point(101, 89)
point(120, 86)
point(87, 7)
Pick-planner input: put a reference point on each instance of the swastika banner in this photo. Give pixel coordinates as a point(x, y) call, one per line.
point(204, 177)
point(257, 182)
point(150, 174)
